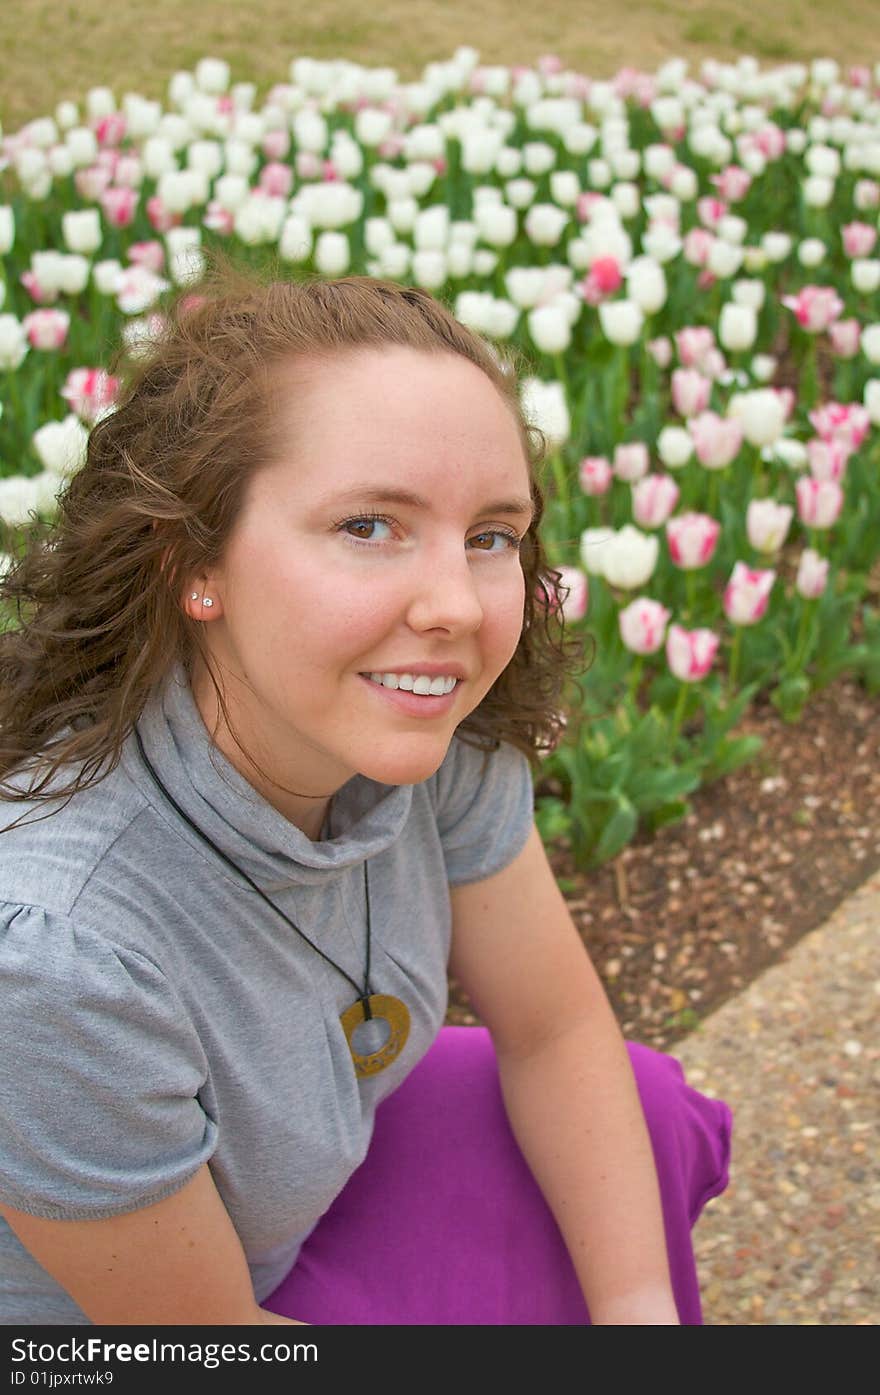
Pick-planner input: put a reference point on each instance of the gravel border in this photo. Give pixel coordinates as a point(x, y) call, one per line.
point(796, 1055)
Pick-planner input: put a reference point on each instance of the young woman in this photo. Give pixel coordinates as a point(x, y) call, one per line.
point(282, 672)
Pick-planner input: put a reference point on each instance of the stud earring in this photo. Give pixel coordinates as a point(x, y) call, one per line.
point(206, 600)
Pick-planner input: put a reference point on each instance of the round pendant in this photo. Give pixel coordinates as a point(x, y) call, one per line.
point(385, 1009)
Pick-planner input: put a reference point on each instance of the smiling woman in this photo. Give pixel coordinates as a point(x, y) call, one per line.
point(219, 688)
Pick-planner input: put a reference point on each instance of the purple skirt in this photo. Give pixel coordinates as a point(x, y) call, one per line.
point(443, 1223)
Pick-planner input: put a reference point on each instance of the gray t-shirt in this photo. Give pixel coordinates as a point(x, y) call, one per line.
point(157, 1014)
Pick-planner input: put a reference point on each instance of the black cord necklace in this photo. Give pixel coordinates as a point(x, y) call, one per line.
point(369, 1005)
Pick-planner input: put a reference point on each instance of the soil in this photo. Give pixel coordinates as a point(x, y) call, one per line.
point(686, 917)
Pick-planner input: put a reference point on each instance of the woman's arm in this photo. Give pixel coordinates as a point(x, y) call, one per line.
point(568, 1087)
point(177, 1262)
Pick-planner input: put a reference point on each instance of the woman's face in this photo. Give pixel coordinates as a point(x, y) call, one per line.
point(312, 594)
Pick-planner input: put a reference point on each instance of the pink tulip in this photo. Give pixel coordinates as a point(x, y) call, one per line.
point(690, 391)
point(91, 182)
point(631, 460)
point(690, 653)
point(660, 351)
point(219, 219)
point(161, 218)
point(46, 329)
point(827, 459)
point(767, 524)
point(120, 206)
point(710, 211)
point(276, 144)
point(845, 337)
point(866, 194)
point(38, 294)
point(697, 246)
point(692, 539)
point(595, 475)
point(819, 502)
point(308, 164)
point(148, 254)
point(716, 439)
point(574, 582)
point(814, 307)
point(858, 239)
point(692, 344)
point(732, 183)
point(812, 574)
point(89, 391)
point(110, 129)
point(848, 422)
point(747, 594)
point(643, 625)
point(654, 498)
point(276, 179)
point(770, 141)
point(109, 161)
point(129, 172)
point(604, 278)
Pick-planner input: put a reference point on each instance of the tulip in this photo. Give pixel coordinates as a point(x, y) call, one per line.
point(812, 575)
point(621, 321)
point(690, 391)
point(716, 440)
point(646, 284)
point(660, 350)
point(848, 422)
point(61, 445)
point(629, 558)
point(46, 329)
point(747, 594)
point(818, 191)
point(819, 502)
point(549, 329)
point(737, 327)
point(692, 539)
point(576, 585)
point(593, 543)
point(497, 224)
point(763, 366)
point(872, 400)
point(603, 280)
point(827, 459)
point(693, 344)
point(595, 475)
point(89, 392)
point(546, 407)
point(871, 343)
point(81, 230)
point(814, 307)
point(844, 337)
point(749, 292)
point(761, 413)
point(858, 239)
point(674, 447)
point(767, 524)
point(724, 259)
point(631, 460)
point(690, 653)
point(136, 289)
point(865, 275)
point(654, 498)
point(332, 254)
point(544, 224)
point(643, 625)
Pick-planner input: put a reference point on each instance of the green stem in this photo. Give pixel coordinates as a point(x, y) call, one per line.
point(734, 659)
point(690, 582)
point(679, 712)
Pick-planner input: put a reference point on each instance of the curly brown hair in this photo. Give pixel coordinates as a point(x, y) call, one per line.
point(99, 620)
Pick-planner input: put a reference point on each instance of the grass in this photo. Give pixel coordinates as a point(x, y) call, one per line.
point(53, 51)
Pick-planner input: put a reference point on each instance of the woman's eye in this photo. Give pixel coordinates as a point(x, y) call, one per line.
point(362, 530)
point(365, 525)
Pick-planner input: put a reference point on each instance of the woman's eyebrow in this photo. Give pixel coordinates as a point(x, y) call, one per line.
point(390, 494)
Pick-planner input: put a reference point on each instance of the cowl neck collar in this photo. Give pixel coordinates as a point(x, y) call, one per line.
point(365, 817)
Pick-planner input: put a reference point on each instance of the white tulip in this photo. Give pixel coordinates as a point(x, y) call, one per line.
point(18, 498)
point(684, 184)
point(509, 162)
point(626, 199)
point(749, 292)
point(142, 117)
point(431, 228)
point(485, 261)
point(811, 252)
point(61, 445)
point(792, 453)
point(646, 284)
point(767, 524)
point(525, 285)
point(737, 327)
point(497, 224)
point(67, 115)
point(871, 343)
point(871, 400)
point(662, 243)
point(538, 157)
point(100, 102)
point(310, 131)
point(429, 268)
point(675, 446)
point(82, 144)
point(73, 274)
point(621, 321)
point(725, 258)
point(520, 193)
point(402, 214)
point(865, 273)
point(549, 329)
point(544, 405)
point(818, 191)
point(295, 243)
point(629, 558)
point(158, 157)
point(420, 176)
point(823, 160)
point(7, 228)
point(378, 233)
point(212, 75)
point(231, 191)
point(260, 220)
point(13, 342)
point(81, 230)
point(460, 260)
point(593, 542)
point(763, 366)
point(626, 164)
point(332, 254)
point(579, 138)
point(565, 188)
point(186, 265)
point(105, 275)
point(395, 260)
point(761, 413)
point(733, 229)
point(48, 267)
point(205, 155)
point(544, 224)
point(479, 149)
point(371, 126)
point(658, 160)
point(776, 245)
point(599, 174)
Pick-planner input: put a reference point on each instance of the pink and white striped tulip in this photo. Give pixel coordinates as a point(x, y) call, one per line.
point(595, 475)
point(643, 625)
point(848, 422)
point(827, 459)
point(575, 583)
point(46, 329)
point(690, 653)
point(119, 206)
point(732, 183)
point(716, 439)
point(690, 391)
point(812, 574)
point(693, 344)
point(692, 539)
point(845, 337)
point(148, 254)
point(814, 307)
point(89, 392)
point(631, 460)
point(747, 594)
point(819, 502)
point(653, 499)
point(767, 524)
point(858, 239)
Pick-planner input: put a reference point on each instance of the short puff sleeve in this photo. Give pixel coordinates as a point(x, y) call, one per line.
point(102, 1065)
point(484, 814)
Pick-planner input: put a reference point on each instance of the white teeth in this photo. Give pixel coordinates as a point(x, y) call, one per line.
point(422, 685)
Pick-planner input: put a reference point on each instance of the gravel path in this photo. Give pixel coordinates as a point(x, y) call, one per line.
point(796, 1237)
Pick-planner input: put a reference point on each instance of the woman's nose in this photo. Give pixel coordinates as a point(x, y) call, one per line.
point(445, 594)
